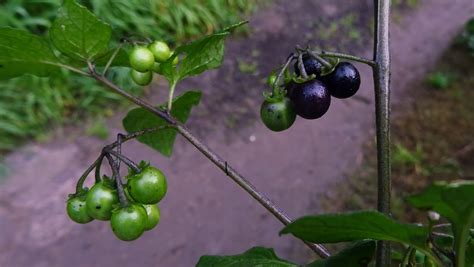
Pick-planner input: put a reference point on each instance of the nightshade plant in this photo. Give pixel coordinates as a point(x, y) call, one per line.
point(79, 42)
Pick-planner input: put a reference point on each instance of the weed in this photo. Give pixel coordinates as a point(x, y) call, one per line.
point(440, 80)
point(248, 67)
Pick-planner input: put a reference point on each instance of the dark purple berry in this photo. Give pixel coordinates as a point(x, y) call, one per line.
point(344, 81)
point(311, 99)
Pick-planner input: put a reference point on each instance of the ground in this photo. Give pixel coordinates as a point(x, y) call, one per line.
point(205, 212)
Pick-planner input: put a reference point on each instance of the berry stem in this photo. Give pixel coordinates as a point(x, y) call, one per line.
point(325, 63)
point(80, 182)
point(301, 66)
point(170, 96)
point(326, 54)
point(111, 59)
point(212, 156)
point(125, 160)
point(290, 58)
point(118, 181)
point(97, 168)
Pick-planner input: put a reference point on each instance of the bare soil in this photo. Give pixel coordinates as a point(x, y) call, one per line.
point(205, 212)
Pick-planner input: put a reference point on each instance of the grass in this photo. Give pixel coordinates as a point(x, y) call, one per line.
point(30, 106)
point(433, 140)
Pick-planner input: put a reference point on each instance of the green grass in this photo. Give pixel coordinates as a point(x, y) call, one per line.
point(30, 106)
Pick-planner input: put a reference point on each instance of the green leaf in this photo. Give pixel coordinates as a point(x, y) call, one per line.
point(357, 254)
point(256, 256)
point(470, 253)
point(333, 228)
point(161, 140)
point(199, 56)
point(22, 52)
point(78, 33)
point(120, 60)
point(453, 201)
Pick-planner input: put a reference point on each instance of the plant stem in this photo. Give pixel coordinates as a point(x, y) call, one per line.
point(125, 160)
point(219, 162)
point(111, 59)
point(290, 58)
point(381, 72)
point(326, 54)
point(170, 96)
point(97, 168)
point(118, 181)
point(80, 182)
point(301, 66)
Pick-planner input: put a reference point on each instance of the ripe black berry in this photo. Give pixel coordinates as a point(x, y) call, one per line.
point(344, 81)
point(311, 99)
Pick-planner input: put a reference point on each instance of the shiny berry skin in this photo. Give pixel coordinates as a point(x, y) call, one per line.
point(311, 66)
point(153, 215)
point(141, 78)
point(161, 51)
point(344, 81)
point(76, 210)
point(147, 187)
point(311, 99)
point(128, 223)
point(100, 201)
point(277, 115)
point(141, 59)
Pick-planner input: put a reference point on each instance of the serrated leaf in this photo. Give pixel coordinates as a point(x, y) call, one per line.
point(198, 56)
point(161, 140)
point(78, 33)
point(358, 254)
point(334, 228)
point(22, 52)
point(256, 256)
point(453, 201)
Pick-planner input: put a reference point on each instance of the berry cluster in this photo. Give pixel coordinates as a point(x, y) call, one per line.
point(308, 95)
point(143, 190)
point(145, 60)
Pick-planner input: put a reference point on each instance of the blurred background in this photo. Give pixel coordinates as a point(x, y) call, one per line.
point(51, 129)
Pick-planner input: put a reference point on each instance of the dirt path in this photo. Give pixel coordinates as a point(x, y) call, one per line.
point(204, 212)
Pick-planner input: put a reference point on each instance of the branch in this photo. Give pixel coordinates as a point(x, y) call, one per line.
point(218, 161)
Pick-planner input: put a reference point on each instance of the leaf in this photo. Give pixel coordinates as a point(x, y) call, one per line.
point(161, 140)
point(256, 256)
point(453, 201)
point(470, 253)
point(333, 228)
point(357, 254)
point(78, 33)
point(200, 55)
point(120, 60)
point(22, 52)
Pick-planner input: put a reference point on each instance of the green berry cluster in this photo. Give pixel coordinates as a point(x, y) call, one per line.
point(145, 60)
point(143, 191)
